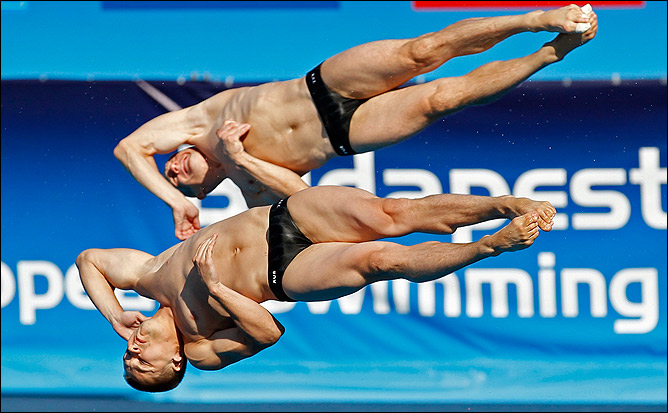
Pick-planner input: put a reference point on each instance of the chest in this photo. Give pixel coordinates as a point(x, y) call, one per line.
point(198, 315)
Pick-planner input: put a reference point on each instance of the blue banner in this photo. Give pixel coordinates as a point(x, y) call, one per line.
point(580, 317)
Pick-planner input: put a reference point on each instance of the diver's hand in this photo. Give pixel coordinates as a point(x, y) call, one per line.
point(128, 322)
point(203, 260)
point(230, 135)
point(186, 220)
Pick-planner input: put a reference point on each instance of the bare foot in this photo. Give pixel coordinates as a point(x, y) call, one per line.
point(519, 234)
point(565, 43)
point(521, 206)
point(562, 20)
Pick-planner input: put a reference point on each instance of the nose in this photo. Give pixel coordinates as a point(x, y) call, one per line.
point(174, 166)
point(133, 347)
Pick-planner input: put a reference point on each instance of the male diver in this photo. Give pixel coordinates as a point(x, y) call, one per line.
point(306, 247)
point(264, 138)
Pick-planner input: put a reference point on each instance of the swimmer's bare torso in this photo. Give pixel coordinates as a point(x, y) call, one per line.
point(286, 129)
point(236, 257)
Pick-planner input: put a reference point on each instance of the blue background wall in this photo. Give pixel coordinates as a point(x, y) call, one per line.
point(595, 144)
point(261, 41)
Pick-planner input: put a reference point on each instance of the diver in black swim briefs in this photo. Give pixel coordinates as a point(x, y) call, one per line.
point(335, 111)
point(285, 242)
point(266, 137)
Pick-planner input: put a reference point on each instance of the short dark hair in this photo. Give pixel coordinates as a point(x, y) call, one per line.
point(172, 379)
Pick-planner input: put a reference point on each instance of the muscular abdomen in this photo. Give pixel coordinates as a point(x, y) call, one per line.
point(240, 259)
point(285, 127)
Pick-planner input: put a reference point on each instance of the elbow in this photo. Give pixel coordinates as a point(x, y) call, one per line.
point(270, 337)
point(278, 333)
point(121, 150)
point(83, 258)
point(273, 338)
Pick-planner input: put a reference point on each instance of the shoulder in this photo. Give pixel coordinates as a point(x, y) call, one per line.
point(199, 354)
point(220, 350)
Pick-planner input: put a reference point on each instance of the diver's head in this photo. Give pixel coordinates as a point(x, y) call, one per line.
point(190, 172)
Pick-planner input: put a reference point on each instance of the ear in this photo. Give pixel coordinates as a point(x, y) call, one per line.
point(177, 361)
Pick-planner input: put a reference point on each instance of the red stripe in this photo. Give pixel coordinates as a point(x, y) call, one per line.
point(462, 5)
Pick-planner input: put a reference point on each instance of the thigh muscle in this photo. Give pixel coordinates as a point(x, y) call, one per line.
point(330, 270)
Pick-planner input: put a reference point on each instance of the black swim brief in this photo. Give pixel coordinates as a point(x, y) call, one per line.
point(335, 111)
point(285, 242)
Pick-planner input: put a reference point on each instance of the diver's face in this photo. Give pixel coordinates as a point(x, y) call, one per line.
point(151, 348)
point(189, 171)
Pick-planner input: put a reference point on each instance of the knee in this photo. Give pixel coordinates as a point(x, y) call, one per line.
point(396, 214)
point(449, 95)
point(423, 52)
point(384, 262)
